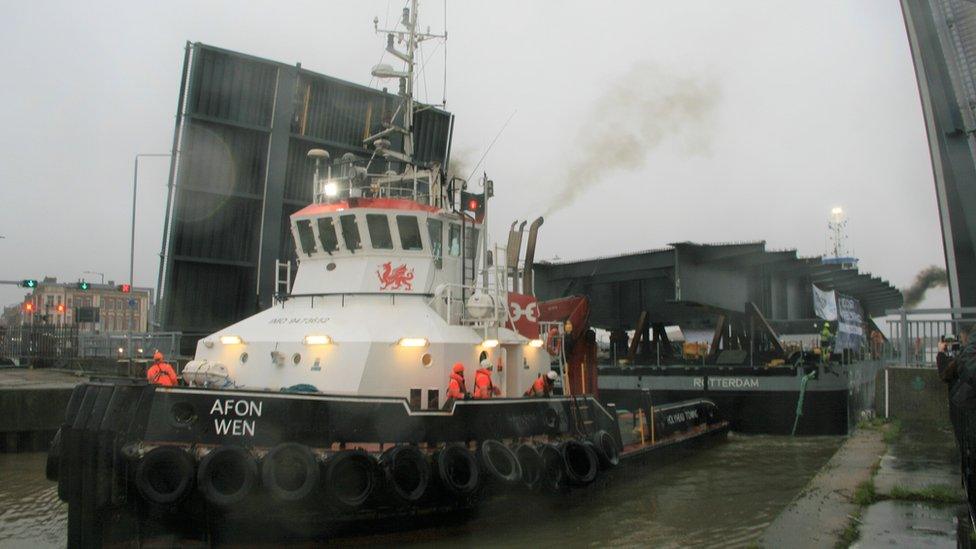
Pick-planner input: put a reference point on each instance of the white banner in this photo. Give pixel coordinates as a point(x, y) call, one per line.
point(824, 303)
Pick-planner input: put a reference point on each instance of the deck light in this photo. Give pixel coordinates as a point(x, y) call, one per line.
point(331, 188)
point(489, 343)
point(413, 342)
point(231, 340)
point(318, 339)
point(535, 343)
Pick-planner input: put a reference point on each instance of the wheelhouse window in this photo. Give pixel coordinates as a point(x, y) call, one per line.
point(327, 234)
point(305, 236)
point(350, 232)
point(409, 231)
point(435, 228)
point(379, 231)
point(454, 240)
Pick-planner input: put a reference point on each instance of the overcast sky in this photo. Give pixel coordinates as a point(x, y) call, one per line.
point(808, 105)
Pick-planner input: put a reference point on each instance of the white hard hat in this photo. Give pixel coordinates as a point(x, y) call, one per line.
point(552, 375)
point(486, 364)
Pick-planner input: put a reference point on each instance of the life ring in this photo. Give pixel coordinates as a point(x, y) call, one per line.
point(457, 470)
point(406, 472)
point(290, 472)
point(499, 462)
point(580, 462)
point(606, 449)
point(350, 477)
point(226, 475)
point(531, 463)
point(164, 475)
point(553, 342)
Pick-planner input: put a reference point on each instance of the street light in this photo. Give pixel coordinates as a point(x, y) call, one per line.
point(132, 240)
point(96, 273)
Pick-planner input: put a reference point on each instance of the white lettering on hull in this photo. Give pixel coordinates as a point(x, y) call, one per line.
point(240, 409)
point(733, 383)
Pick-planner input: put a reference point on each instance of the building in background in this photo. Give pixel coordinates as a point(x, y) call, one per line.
point(942, 36)
point(243, 128)
point(93, 308)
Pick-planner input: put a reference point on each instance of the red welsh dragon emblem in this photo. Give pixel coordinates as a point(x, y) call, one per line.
point(394, 278)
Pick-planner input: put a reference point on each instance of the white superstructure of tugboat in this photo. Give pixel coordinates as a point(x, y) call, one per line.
point(388, 295)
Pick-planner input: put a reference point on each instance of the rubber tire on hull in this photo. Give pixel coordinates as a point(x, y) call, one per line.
point(406, 472)
point(290, 472)
point(606, 449)
point(532, 466)
point(227, 475)
point(499, 462)
point(580, 462)
point(350, 478)
point(164, 475)
point(553, 477)
point(457, 470)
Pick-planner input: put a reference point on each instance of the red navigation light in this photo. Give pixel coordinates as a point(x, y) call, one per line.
point(473, 204)
point(125, 288)
point(29, 307)
point(60, 307)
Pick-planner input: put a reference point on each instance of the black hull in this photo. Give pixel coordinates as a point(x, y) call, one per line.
point(112, 431)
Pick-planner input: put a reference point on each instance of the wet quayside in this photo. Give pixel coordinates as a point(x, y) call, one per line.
point(720, 496)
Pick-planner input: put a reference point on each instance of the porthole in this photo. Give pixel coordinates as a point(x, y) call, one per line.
point(426, 360)
point(330, 267)
point(296, 358)
point(243, 358)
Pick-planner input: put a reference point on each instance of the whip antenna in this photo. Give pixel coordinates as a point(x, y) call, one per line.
point(490, 145)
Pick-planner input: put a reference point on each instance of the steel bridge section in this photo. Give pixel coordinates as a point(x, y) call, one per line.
point(942, 37)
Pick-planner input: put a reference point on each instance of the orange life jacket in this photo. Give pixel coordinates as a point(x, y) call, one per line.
point(540, 387)
point(483, 387)
point(161, 373)
point(455, 388)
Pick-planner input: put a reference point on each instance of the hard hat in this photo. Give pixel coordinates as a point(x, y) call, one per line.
point(157, 356)
point(458, 368)
point(552, 375)
point(486, 364)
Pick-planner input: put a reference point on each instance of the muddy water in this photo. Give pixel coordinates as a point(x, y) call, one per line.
point(721, 496)
point(31, 515)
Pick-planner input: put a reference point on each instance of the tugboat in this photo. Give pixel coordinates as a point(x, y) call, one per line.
point(330, 407)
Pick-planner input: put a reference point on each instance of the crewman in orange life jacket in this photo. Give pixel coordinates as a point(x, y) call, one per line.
point(161, 373)
point(455, 387)
point(483, 386)
point(542, 386)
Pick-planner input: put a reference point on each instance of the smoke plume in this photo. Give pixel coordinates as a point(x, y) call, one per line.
point(640, 110)
point(929, 277)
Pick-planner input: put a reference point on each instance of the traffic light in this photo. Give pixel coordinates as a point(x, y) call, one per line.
point(28, 283)
point(83, 285)
point(471, 202)
point(125, 288)
point(60, 307)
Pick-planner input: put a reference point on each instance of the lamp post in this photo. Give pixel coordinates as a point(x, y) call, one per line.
point(132, 240)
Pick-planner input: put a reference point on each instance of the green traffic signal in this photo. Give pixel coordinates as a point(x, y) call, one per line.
point(83, 285)
point(29, 283)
